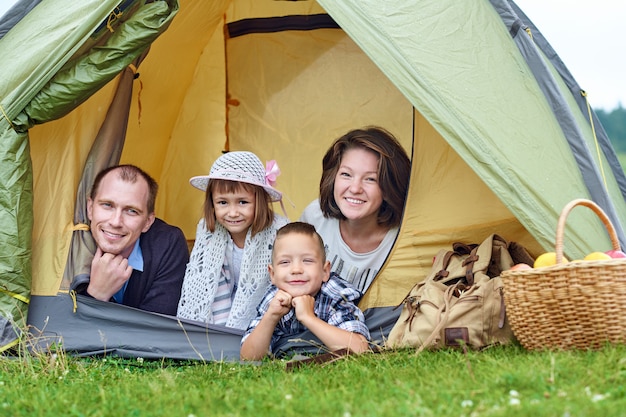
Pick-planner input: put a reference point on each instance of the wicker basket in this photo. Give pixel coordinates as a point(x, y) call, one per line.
point(569, 305)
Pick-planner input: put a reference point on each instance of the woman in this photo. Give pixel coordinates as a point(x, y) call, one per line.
point(365, 175)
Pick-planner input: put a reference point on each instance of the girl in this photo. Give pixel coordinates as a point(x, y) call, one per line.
point(227, 273)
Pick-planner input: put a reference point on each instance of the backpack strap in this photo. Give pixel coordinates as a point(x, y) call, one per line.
point(443, 272)
point(468, 263)
point(461, 250)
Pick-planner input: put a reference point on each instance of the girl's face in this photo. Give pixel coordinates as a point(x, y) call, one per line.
point(235, 211)
point(357, 192)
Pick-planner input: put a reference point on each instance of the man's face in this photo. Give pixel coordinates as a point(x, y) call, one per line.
point(119, 214)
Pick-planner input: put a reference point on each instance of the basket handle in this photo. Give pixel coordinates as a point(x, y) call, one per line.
point(560, 228)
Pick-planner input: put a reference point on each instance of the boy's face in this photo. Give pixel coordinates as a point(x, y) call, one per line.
point(297, 266)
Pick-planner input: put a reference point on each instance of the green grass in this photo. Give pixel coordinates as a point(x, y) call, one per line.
point(499, 381)
point(502, 381)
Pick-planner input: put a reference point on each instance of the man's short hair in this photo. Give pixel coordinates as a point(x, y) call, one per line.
point(128, 173)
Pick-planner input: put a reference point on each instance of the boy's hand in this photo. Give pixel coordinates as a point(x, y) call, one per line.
point(256, 346)
point(280, 304)
point(333, 337)
point(305, 307)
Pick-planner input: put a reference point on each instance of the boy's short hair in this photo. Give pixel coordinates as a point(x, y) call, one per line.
point(263, 211)
point(303, 229)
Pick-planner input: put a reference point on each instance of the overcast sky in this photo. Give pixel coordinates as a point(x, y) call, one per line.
point(5, 5)
point(587, 35)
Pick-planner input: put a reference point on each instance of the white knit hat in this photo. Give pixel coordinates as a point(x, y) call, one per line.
point(242, 167)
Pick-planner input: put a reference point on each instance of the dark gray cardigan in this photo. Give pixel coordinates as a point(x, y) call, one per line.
point(157, 288)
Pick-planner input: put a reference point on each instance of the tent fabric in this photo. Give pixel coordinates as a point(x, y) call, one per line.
point(94, 330)
point(15, 14)
point(496, 127)
point(60, 90)
point(16, 221)
point(497, 138)
point(579, 95)
point(105, 151)
point(21, 81)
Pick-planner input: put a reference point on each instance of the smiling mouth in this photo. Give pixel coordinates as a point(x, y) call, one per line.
point(297, 282)
point(354, 201)
point(112, 235)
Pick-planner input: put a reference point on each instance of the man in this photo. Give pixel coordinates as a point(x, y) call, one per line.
point(140, 260)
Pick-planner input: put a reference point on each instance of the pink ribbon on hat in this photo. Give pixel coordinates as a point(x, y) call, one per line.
point(271, 172)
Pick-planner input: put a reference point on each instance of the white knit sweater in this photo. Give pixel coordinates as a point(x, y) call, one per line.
point(208, 256)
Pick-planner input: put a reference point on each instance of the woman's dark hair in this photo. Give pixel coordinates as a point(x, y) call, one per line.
point(394, 170)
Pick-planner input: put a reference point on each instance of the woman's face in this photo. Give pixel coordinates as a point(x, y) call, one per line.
point(357, 192)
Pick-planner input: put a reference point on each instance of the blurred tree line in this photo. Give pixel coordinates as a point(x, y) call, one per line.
point(614, 123)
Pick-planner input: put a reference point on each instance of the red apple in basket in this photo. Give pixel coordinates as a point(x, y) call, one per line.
point(615, 253)
point(520, 267)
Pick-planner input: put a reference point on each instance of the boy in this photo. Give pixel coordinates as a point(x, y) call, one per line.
point(304, 294)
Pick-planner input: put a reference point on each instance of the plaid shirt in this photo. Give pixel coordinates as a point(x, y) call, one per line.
point(335, 304)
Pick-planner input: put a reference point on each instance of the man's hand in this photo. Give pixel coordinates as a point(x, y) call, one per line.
point(108, 274)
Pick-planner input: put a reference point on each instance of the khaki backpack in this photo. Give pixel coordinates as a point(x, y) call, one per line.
point(461, 301)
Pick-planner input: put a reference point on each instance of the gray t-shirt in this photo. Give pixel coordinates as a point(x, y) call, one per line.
point(359, 269)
